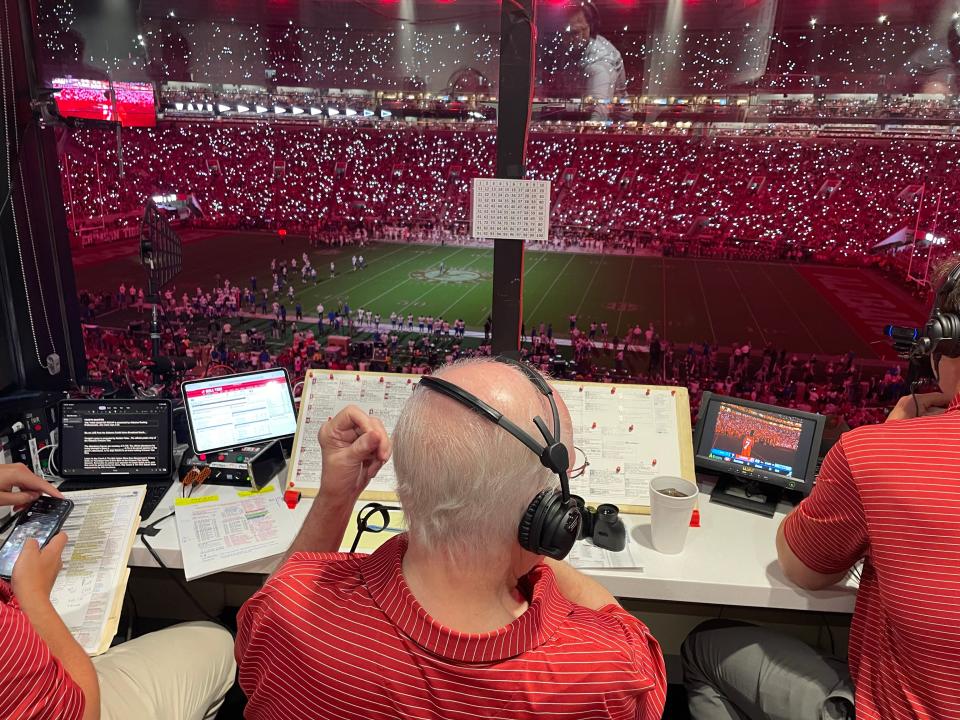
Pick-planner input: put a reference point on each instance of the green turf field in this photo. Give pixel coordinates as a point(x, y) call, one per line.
point(687, 300)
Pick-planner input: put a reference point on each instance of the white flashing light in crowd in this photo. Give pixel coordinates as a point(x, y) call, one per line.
point(296, 110)
point(261, 109)
point(456, 28)
point(956, 16)
point(316, 111)
point(242, 109)
point(279, 110)
point(928, 237)
point(813, 22)
point(882, 19)
point(223, 108)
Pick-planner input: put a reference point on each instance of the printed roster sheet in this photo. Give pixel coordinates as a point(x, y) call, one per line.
point(220, 532)
point(629, 434)
point(89, 590)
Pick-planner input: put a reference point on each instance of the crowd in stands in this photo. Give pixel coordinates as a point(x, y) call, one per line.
point(714, 51)
point(829, 199)
point(227, 328)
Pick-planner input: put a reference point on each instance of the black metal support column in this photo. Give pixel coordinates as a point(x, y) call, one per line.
point(517, 63)
point(37, 288)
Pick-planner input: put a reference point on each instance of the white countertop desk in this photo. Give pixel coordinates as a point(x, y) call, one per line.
point(729, 560)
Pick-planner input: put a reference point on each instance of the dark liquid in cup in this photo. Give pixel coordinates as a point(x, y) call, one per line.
point(673, 492)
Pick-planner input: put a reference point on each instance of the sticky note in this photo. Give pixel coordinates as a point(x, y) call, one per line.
point(262, 491)
point(196, 500)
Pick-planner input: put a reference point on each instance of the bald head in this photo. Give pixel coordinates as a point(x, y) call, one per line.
point(464, 482)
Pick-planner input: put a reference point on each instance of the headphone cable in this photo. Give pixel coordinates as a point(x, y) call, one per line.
point(151, 529)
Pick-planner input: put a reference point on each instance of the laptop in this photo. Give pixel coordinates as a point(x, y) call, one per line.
point(110, 443)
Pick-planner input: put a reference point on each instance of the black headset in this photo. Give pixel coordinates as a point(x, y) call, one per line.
point(551, 522)
point(941, 334)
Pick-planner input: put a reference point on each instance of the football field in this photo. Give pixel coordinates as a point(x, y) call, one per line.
point(803, 308)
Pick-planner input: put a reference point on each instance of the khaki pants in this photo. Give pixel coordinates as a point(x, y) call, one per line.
point(737, 671)
point(181, 673)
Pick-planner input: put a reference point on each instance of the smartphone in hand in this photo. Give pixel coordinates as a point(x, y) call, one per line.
point(41, 521)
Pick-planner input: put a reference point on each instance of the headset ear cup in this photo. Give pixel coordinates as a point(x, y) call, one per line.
point(950, 344)
point(550, 525)
point(561, 530)
point(528, 537)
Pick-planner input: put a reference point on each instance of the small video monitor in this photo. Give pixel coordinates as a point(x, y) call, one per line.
point(239, 410)
point(757, 450)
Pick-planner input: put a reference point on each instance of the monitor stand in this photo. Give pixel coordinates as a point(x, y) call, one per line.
point(747, 495)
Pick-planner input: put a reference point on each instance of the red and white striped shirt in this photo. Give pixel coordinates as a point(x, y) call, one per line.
point(891, 494)
point(33, 683)
point(333, 636)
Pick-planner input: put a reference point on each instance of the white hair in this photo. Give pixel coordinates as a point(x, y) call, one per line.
point(463, 481)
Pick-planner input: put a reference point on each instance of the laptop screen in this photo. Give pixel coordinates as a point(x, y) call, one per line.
point(129, 438)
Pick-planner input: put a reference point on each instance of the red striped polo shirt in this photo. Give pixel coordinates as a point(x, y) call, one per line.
point(33, 683)
point(891, 494)
point(341, 636)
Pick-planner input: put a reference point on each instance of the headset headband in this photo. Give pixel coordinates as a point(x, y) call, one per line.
point(553, 455)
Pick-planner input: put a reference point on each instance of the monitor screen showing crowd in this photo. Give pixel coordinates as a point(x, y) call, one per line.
point(759, 442)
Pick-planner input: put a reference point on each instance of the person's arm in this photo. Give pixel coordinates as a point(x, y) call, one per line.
point(578, 588)
point(33, 576)
point(826, 534)
point(354, 446)
point(795, 570)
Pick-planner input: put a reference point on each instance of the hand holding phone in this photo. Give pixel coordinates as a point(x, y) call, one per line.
point(39, 523)
point(37, 568)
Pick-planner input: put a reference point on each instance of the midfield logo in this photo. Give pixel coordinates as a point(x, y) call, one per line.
point(454, 276)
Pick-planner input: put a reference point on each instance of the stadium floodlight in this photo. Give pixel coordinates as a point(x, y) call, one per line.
point(242, 109)
point(316, 111)
point(261, 109)
point(279, 110)
point(368, 113)
point(351, 112)
point(331, 111)
point(296, 110)
point(223, 108)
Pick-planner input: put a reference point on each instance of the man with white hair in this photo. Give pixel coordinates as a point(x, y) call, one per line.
point(457, 618)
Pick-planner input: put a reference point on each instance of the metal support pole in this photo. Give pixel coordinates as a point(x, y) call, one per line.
point(517, 63)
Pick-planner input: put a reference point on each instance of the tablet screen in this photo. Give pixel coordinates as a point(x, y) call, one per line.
point(237, 410)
